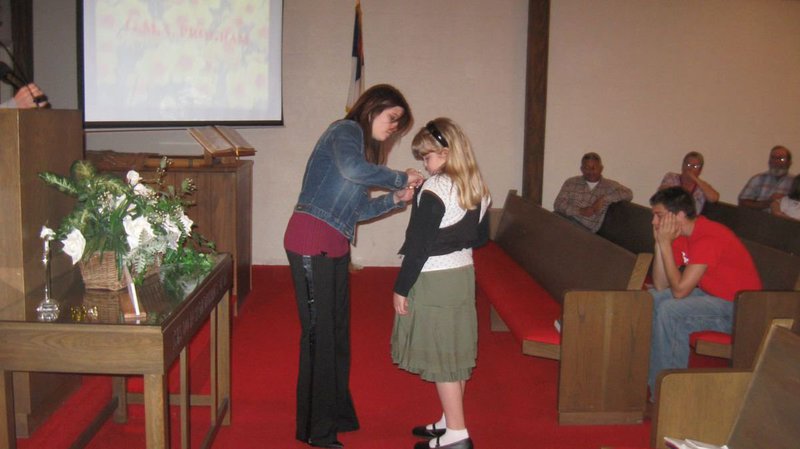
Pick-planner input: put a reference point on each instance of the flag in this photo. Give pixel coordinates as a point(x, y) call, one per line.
point(357, 75)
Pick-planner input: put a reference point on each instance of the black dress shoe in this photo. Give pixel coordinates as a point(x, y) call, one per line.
point(335, 444)
point(424, 432)
point(466, 443)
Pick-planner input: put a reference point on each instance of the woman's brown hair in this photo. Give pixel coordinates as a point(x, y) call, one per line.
point(369, 105)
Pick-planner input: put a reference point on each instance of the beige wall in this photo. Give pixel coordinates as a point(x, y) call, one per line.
point(640, 81)
point(459, 58)
point(643, 82)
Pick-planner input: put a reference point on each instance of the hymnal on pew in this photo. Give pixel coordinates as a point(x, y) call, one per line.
point(677, 443)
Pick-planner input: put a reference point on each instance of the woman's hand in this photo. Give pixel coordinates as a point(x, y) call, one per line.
point(400, 304)
point(415, 178)
point(404, 195)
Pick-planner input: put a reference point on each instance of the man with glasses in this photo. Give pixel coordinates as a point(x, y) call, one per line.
point(584, 199)
point(773, 184)
point(689, 179)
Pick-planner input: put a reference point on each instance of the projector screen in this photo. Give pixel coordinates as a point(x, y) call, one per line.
point(180, 62)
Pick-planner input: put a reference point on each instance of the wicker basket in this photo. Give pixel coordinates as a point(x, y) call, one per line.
point(107, 304)
point(100, 272)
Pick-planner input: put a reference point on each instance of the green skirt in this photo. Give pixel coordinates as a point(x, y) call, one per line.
point(438, 338)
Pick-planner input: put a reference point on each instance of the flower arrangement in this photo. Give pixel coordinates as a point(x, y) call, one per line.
point(140, 224)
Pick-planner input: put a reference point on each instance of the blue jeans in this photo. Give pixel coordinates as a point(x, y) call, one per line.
point(675, 319)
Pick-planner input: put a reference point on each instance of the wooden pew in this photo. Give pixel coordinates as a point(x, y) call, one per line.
point(629, 225)
point(777, 232)
point(758, 408)
point(541, 267)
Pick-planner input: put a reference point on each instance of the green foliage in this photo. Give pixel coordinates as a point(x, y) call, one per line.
point(141, 222)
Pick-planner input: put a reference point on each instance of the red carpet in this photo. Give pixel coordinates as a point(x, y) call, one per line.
point(510, 402)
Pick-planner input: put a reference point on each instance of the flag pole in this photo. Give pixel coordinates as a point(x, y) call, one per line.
point(357, 73)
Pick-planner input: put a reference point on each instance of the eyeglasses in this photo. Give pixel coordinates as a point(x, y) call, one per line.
point(431, 127)
point(694, 166)
point(779, 158)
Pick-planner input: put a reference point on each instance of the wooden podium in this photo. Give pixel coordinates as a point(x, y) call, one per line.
point(32, 141)
point(223, 213)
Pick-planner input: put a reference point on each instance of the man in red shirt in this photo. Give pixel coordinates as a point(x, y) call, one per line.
point(715, 266)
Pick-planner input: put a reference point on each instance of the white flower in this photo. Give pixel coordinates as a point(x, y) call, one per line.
point(47, 233)
point(133, 177)
point(138, 230)
point(74, 244)
point(187, 223)
point(142, 190)
point(173, 233)
point(119, 200)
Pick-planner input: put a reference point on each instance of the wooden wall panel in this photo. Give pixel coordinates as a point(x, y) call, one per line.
point(32, 141)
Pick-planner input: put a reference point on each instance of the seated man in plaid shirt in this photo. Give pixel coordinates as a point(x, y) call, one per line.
point(584, 199)
point(773, 184)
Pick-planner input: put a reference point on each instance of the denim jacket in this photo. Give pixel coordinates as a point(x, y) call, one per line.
point(338, 178)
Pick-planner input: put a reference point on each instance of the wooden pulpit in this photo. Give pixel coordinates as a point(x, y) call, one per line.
point(32, 141)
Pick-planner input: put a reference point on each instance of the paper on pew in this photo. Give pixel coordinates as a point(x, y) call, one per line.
point(675, 443)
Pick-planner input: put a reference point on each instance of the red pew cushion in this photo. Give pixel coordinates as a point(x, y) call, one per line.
point(526, 307)
point(710, 336)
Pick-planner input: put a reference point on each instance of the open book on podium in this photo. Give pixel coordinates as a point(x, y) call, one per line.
point(222, 143)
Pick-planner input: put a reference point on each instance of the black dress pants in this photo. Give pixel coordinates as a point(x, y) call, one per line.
point(324, 404)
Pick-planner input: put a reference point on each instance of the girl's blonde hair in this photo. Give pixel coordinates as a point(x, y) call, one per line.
point(460, 166)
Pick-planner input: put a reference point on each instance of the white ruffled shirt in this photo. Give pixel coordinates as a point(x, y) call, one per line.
point(442, 186)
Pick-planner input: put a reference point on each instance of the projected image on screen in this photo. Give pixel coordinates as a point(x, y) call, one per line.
point(168, 62)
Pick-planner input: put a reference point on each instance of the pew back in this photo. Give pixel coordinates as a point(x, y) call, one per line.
point(759, 226)
point(629, 226)
point(753, 313)
point(562, 256)
point(771, 407)
point(778, 269)
point(741, 408)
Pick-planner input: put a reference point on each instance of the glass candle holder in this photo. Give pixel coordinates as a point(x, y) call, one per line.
point(48, 309)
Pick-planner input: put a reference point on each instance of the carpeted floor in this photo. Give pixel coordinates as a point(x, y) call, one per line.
point(510, 402)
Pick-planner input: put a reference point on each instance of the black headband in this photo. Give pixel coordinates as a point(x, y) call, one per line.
point(431, 127)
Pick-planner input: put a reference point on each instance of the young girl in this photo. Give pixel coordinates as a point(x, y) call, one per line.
point(435, 331)
point(347, 161)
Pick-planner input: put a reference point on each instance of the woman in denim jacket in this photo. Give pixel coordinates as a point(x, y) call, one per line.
point(347, 161)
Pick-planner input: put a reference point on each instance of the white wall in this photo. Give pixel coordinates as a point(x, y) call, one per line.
point(639, 81)
point(644, 82)
point(459, 58)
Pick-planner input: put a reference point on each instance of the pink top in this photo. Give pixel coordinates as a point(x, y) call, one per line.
point(309, 236)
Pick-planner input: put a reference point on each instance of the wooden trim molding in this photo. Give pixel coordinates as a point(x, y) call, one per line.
point(535, 99)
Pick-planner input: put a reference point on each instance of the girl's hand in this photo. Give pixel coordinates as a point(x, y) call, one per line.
point(400, 304)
